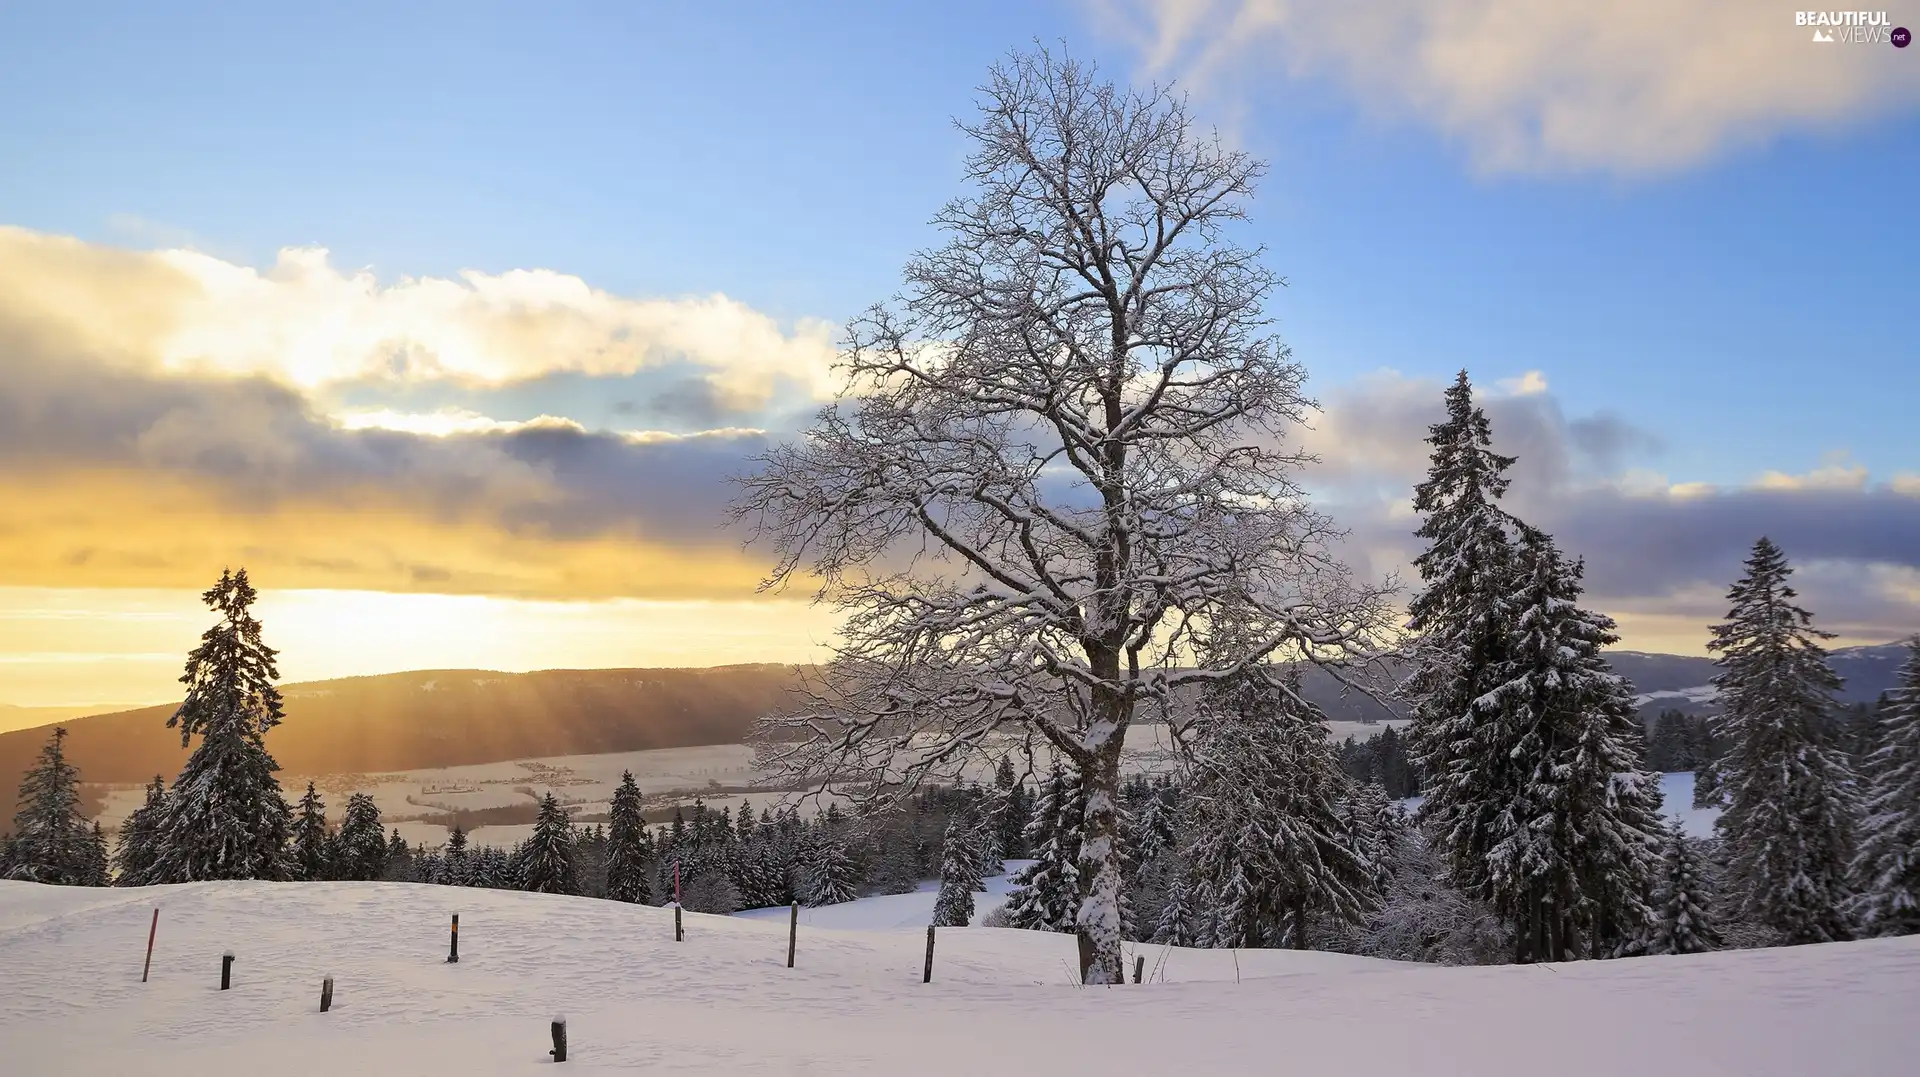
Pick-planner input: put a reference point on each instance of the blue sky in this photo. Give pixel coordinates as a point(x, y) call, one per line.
point(1747, 309)
point(1702, 245)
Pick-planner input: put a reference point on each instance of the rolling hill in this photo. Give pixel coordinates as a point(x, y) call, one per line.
point(439, 718)
point(433, 718)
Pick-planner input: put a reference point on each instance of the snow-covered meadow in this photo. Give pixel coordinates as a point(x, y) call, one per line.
point(722, 1002)
point(586, 782)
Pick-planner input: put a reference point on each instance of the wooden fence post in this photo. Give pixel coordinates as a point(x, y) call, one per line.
point(927, 976)
point(151, 931)
point(453, 951)
point(226, 970)
point(326, 994)
point(1139, 966)
point(678, 934)
point(793, 932)
point(559, 1029)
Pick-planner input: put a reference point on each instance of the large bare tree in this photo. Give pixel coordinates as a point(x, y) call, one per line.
point(1058, 458)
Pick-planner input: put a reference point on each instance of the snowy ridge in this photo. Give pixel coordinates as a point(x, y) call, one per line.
point(722, 1002)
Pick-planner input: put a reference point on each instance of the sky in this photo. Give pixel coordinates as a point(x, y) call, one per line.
point(450, 322)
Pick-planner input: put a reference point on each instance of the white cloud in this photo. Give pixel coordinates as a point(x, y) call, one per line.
point(1625, 86)
point(307, 323)
point(1531, 383)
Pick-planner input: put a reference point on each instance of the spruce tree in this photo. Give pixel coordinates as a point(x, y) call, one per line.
point(458, 862)
point(1790, 797)
point(1706, 784)
point(960, 871)
point(1264, 809)
point(984, 822)
point(1887, 868)
point(1577, 838)
point(399, 866)
point(547, 862)
point(1683, 924)
point(1185, 919)
point(362, 843)
point(311, 848)
point(50, 839)
point(832, 877)
point(226, 817)
point(140, 836)
point(1461, 620)
point(1013, 810)
point(627, 860)
point(1046, 893)
point(95, 860)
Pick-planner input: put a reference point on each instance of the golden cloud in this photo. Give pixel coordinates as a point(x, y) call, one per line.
point(155, 425)
point(130, 529)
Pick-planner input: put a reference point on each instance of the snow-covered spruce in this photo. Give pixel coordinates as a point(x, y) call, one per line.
point(1046, 895)
point(312, 842)
point(1576, 849)
point(1790, 799)
point(1683, 923)
point(1462, 621)
point(629, 859)
point(1269, 839)
point(547, 865)
point(360, 848)
point(139, 842)
point(1055, 449)
point(1887, 869)
point(226, 817)
point(51, 842)
point(961, 869)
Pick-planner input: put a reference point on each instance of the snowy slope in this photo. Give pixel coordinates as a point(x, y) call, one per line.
point(71, 1001)
point(893, 911)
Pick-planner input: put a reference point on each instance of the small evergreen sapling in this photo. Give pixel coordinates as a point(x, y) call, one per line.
point(960, 871)
point(546, 860)
point(312, 859)
point(1683, 924)
point(362, 843)
point(140, 836)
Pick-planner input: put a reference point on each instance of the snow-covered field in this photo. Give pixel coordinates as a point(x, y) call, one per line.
point(722, 1002)
point(586, 782)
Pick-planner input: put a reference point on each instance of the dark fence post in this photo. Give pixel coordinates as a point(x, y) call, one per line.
point(678, 934)
point(793, 932)
point(326, 994)
point(559, 1051)
point(226, 970)
point(151, 931)
point(453, 951)
point(927, 976)
point(1139, 966)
